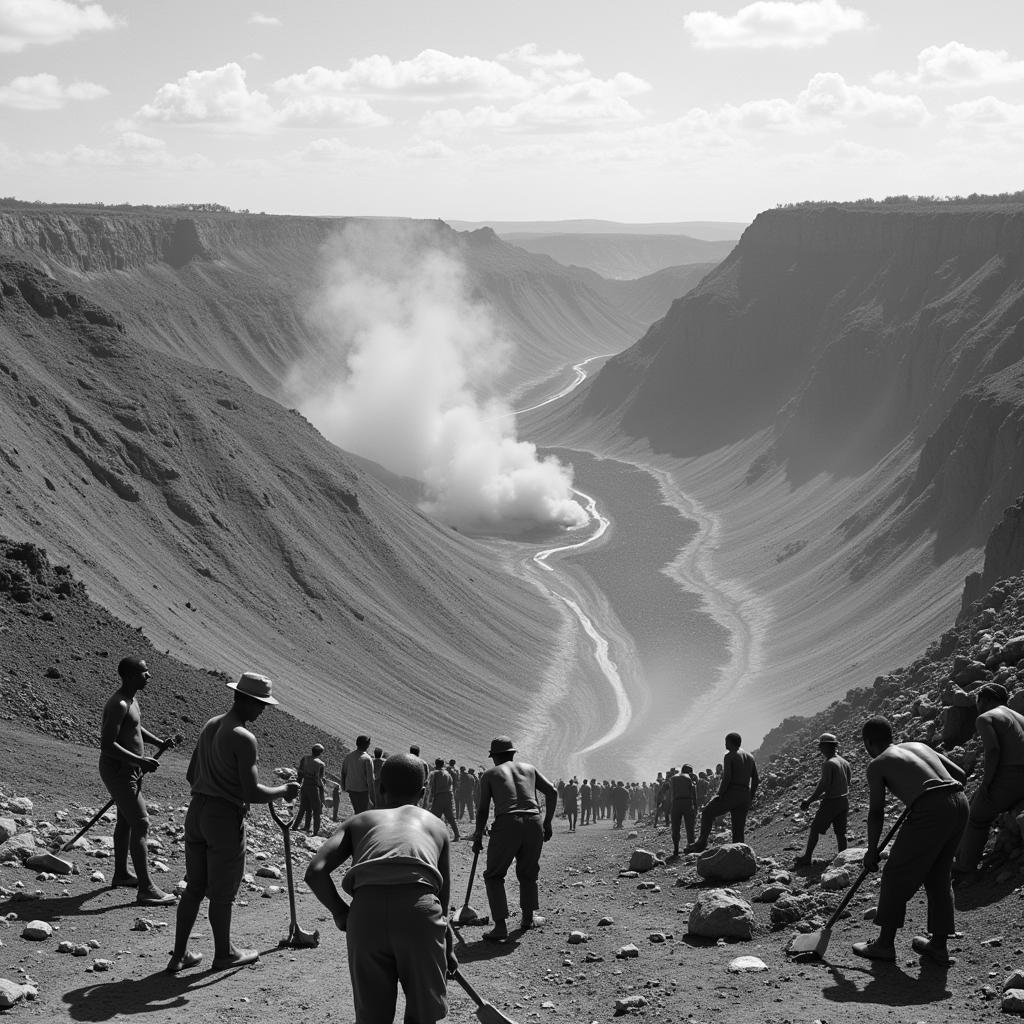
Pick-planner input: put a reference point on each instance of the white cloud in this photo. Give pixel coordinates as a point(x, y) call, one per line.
point(267, 20)
point(334, 151)
point(956, 65)
point(987, 115)
point(45, 92)
point(575, 105)
point(529, 53)
point(222, 98)
point(26, 23)
point(129, 149)
point(774, 23)
point(430, 74)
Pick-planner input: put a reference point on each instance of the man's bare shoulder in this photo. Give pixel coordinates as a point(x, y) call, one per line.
point(117, 704)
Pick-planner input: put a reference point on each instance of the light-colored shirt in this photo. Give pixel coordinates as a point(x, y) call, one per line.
point(392, 853)
point(835, 777)
point(357, 772)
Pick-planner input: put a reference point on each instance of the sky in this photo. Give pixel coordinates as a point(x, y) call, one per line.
point(646, 111)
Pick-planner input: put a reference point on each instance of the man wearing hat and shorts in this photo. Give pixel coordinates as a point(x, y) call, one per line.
point(834, 792)
point(311, 790)
point(224, 776)
point(516, 834)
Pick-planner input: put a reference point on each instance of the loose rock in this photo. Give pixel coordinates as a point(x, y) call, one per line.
point(733, 862)
point(747, 965)
point(36, 931)
point(722, 914)
point(627, 952)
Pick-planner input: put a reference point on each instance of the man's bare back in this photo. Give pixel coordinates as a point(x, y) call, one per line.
point(910, 769)
point(512, 785)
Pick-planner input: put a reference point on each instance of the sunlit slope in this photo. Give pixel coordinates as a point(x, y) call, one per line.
point(233, 535)
point(843, 396)
point(235, 292)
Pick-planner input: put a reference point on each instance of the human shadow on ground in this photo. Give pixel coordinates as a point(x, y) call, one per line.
point(477, 949)
point(102, 1001)
point(889, 985)
point(49, 908)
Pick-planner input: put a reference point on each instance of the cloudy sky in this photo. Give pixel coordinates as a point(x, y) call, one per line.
point(645, 111)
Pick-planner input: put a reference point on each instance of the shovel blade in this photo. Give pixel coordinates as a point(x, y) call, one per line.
point(811, 944)
point(488, 1013)
point(467, 915)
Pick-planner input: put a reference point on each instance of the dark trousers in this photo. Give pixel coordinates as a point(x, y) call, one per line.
point(1007, 789)
point(360, 800)
point(683, 811)
point(443, 807)
point(737, 803)
point(519, 838)
point(922, 855)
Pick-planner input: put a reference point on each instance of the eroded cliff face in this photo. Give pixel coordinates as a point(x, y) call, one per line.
point(846, 334)
point(234, 292)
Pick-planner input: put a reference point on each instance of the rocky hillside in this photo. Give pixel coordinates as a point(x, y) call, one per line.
point(841, 397)
point(233, 291)
point(58, 666)
point(235, 536)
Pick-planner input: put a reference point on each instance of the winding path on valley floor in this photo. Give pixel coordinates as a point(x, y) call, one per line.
point(629, 733)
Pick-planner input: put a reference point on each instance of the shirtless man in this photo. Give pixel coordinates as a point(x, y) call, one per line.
point(224, 776)
point(736, 793)
point(517, 833)
point(123, 762)
point(834, 791)
point(1002, 783)
point(400, 884)
point(932, 787)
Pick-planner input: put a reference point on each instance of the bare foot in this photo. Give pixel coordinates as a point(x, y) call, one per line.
point(181, 963)
point(236, 958)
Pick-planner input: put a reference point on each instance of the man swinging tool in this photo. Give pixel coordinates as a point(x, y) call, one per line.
point(932, 787)
point(123, 762)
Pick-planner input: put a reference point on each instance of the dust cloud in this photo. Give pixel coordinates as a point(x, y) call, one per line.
point(409, 382)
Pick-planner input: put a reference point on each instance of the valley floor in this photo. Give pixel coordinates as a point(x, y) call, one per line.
point(537, 976)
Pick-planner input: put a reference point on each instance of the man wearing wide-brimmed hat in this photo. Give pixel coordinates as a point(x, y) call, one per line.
point(224, 777)
point(516, 834)
point(834, 791)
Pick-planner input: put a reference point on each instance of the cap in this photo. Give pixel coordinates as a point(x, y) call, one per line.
point(501, 745)
point(318, 748)
point(252, 684)
point(827, 737)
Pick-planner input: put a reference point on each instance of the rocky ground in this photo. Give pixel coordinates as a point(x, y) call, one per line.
point(665, 973)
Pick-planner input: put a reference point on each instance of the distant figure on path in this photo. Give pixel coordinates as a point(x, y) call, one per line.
point(516, 835)
point(834, 792)
point(357, 775)
point(123, 762)
point(335, 801)
point(224, 776)
point(620, 803)
point(932, 787)
point(378, 765)
point(1002, 783)
point(311, 774)
point(400, 884)
point(585, 802)
point(570, 793)
point(684, 806)
point(736, 792)
point(440, 798)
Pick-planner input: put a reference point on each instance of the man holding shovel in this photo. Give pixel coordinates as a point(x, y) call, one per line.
point(400, 884)
point(224, 776)
point(516, 834)
point(123, 762)
point(932, 788)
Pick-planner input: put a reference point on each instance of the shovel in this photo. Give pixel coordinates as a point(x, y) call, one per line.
point(486, 1012)
point(814, 944)
point(297, 938)
point(467, 915)
point(166, 745)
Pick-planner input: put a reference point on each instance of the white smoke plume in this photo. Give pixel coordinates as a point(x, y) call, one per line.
point(410, 382)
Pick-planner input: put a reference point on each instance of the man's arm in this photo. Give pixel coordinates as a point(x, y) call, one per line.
point(726, 773)
point(483, 809)
point(243, 745)
point(876, 813)
point(155, 740)
point(990, 743)
point(550, 801)
point(755, 779)
point(822, 787)
point(331, 855)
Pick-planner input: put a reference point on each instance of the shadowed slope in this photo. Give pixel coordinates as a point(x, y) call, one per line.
point(237, 537)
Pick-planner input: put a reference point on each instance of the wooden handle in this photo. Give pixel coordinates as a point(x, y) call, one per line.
point(470, 991)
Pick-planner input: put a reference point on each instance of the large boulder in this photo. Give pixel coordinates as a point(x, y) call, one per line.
point(721, 914)
point(19, 804)
point(19, 847)
point(8, 828)
point(642, 860)
point(12, 993)
point(1013, 1001)
point(733, 862)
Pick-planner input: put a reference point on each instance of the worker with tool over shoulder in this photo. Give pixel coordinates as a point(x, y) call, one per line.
point(932, 788)
point(400, 884)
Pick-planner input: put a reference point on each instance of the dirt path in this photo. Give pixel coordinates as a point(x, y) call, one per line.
point(538, 976)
